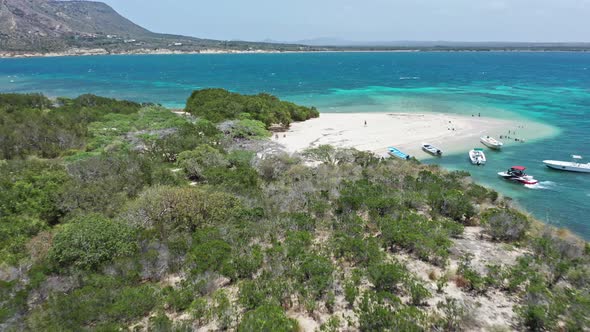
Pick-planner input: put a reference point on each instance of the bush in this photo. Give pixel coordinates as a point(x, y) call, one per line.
point(247, 129)
point(89, 241)
point(471, 279)
point(506, 224)
point(210, 255)
point(315, 272)
point(387, 277)
point(357, 249)
point(197, 161)
point(375, 314)
point(101, 301)
point(429, 240)
point(267, 318)
point(418, 293)
point(457, 206)
point(171, 210)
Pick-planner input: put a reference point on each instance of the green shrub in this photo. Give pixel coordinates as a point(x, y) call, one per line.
point(197, 161)
point(297, 244)
point(248, 129)
point(101, 301)
point(506, 224)
point(357, 249)
point(387, 277)
point(217, 105)
point(210, 255)
point(453, 314)
point(456, 206)
point(89, 241)
point(475, 281)
point(315, 272)
point(266, 289)
point(429, 240)
point(169, 210)
point(375, 314)
point(267, 318)
point(418, 293)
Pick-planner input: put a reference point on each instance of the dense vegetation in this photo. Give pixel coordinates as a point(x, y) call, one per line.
point(115, 215)
point(218, 105)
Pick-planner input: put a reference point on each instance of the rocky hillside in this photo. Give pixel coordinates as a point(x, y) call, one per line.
point(41, 26)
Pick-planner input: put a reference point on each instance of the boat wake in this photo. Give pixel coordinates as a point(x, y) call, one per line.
point(542, 185)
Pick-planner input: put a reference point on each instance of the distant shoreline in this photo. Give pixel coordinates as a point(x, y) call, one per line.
point(103, 52)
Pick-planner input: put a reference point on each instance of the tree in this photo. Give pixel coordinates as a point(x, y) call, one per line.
point(90, 241)
point(168, 210)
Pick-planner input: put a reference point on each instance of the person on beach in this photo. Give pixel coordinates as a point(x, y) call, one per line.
point(365, 123)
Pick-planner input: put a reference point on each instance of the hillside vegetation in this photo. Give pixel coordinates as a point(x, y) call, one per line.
point(116, 215)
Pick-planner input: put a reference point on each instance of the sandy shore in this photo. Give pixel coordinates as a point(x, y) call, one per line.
point(406, 131)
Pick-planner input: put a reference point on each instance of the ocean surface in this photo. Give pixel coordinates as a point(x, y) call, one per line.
point(553, 88)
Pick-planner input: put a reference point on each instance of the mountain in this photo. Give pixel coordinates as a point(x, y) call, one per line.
point(41, 26)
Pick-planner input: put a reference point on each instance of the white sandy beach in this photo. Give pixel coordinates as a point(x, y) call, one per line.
point(406, 131)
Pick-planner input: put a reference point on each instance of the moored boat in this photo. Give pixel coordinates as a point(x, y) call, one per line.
point(517, 174)
point(491, 142)
point(433, 150)
point(477, 157)
point(572, 166)
point(397, 153)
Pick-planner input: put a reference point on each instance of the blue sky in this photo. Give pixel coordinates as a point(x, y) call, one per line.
point(368, 20)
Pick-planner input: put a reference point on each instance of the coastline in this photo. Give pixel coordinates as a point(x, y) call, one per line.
point(76, 52)
point(451, 133)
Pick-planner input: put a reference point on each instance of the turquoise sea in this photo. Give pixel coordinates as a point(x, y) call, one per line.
point(553, 88)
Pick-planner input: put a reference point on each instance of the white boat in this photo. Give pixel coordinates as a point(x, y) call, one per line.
point(491, 142)
point(477, 157)
point(433, 150)
point(571, 166)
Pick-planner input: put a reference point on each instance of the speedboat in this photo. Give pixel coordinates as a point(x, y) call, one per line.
point(517, 174)
point(433, 150)
point(397, 153)
point(572, 166)
point(491, 142)
point(477, 157)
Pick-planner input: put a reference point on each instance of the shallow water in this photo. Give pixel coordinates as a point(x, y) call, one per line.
point(553, 88)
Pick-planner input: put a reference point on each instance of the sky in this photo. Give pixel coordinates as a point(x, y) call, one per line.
point(365, 20)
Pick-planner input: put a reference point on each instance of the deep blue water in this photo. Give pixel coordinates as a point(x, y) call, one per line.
point(553, 88)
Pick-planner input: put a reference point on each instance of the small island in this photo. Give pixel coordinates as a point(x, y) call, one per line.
point(116, 215)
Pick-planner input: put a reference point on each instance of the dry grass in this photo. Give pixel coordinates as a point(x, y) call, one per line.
point(433, 275)
point(461, 282)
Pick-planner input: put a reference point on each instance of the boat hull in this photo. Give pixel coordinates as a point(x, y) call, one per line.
point(434, 152)
point(491, 143)
point(478, 159)
point(492, 146)
point(397, 153)
point(567, 166)
point(519, 179)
